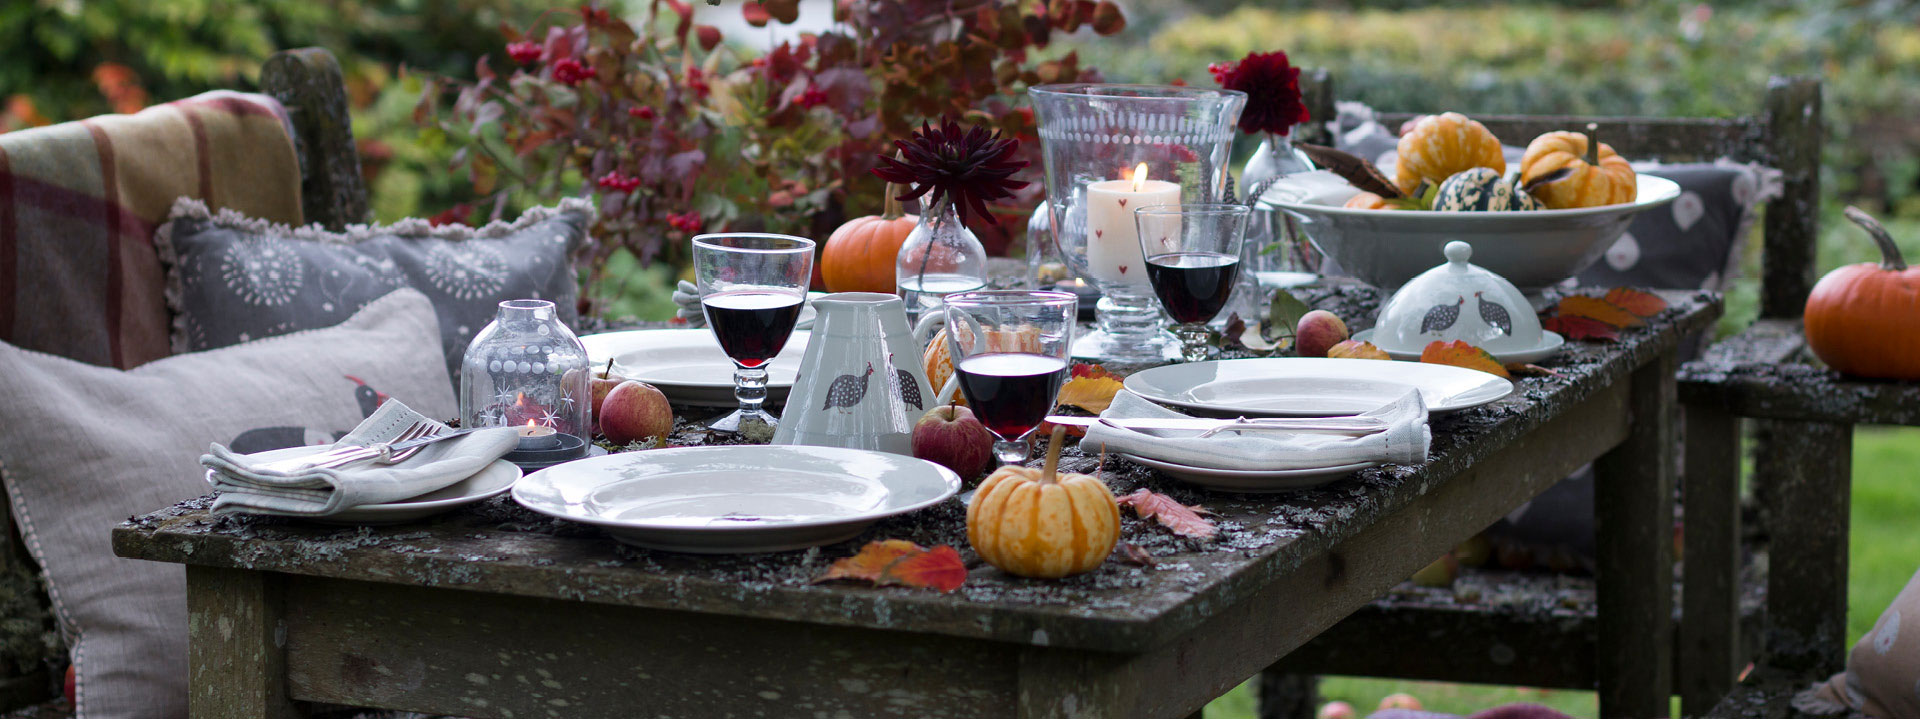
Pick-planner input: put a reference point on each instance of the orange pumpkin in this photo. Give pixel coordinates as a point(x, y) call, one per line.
point(1590, 182)
point(1440, 145)
point(1036, 523)
point(860, 255)
point(1864, 319)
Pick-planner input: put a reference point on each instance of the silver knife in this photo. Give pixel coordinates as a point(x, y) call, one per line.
point(1319, 425)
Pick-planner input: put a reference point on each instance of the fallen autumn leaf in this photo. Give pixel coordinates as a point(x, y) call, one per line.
point(1181, 519)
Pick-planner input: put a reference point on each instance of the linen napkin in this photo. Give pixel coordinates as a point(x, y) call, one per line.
point(242, 487)
point(1404, 442)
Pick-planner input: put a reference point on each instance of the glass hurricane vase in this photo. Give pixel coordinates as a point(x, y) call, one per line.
point(526, 369)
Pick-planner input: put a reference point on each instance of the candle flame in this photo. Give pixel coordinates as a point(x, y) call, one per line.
point(529, 424)
point(1139, 176)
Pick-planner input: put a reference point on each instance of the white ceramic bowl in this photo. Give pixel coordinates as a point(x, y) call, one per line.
point(1385, 248)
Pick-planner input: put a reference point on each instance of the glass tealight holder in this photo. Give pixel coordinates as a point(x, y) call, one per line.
point(526, 370)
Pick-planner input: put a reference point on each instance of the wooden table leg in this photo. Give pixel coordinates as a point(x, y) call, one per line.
point(236, 646)
point(1710, 613)
point(1633, 511)
point(1803, 477)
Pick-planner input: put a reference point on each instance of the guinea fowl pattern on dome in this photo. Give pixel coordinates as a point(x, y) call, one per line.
point(848, 389)
point(909, 389)
point(1494, 314)
point(1441, 317)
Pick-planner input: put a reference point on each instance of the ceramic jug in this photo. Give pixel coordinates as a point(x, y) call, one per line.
point(861, 382)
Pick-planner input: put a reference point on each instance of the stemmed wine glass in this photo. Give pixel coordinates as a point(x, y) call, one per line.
point(752, 287)
point(1010, 352)
point(1193, 257)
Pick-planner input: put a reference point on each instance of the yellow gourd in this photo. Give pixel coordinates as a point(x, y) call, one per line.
point(1440, 145)
point(1033, 523)
point(1590, 181)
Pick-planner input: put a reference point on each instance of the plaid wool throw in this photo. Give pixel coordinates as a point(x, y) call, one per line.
point(79, 202)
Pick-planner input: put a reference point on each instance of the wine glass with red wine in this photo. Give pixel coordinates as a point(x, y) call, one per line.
point(1193, 258)
point(1009, 349)
point(752, 287)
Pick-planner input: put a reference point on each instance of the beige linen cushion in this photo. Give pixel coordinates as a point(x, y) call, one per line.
point(85, 447)
point(1882, 679)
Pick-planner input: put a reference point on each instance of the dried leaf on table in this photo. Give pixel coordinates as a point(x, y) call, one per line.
point(898, 562)
point(1596, 309)
point(1131, 553)
point(1181, 519)
point(1092, 394)
point(1644, 304)
point(1357, 349)
point(1522, 369)
point(1460, 354)
point(1356, 170)
point(1581, 328)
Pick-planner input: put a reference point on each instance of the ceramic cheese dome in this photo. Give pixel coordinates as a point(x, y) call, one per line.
point(1461, 301)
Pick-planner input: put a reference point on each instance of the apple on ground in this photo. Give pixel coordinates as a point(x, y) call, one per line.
point(634, 411)
point(1317, 332)
point(950, 436)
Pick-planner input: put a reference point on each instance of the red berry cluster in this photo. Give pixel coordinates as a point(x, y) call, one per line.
point(813, 97)
point(688, 221)
point(616, 182)
point(571, 72)
point(640, 113)
point(525, 52)
point(697, 81)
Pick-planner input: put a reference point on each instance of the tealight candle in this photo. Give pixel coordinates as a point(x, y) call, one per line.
point(1113, 239)
point(535, 437)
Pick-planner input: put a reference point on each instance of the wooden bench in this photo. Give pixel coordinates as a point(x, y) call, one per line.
point(308, 82)
point(1545, 635)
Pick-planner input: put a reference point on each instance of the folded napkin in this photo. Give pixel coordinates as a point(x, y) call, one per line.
point(1404, 442)
point(242, 486)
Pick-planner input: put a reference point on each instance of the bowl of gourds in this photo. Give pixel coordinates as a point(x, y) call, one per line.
point(1536, 224)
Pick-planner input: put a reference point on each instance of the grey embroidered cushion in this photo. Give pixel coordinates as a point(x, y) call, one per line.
point(231, 279)
point(104, 444)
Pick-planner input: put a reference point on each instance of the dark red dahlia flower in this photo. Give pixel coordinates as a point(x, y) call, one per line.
point(1272, 85)
point(968, 169)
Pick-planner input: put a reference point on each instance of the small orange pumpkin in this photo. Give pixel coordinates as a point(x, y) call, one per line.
point(860, 255)
point(1034, 523)
point(1864, 319)
point(1440, 145)
point(1590, 181)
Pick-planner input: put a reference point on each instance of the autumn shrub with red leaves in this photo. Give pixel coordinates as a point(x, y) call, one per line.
point(677, 132)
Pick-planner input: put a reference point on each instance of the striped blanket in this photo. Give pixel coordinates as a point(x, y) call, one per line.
point(79, 202)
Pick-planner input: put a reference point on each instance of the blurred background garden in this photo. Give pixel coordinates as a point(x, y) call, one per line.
point(69, 59)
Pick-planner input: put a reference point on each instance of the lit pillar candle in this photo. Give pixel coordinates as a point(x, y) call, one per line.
point(1113, 242)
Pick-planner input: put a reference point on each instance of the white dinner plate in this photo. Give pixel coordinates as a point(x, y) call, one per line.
point(1550, 343)
point(1313, 387)
point(1253, 481)
point(687, 364)
point(722, 500)
point(496, 478)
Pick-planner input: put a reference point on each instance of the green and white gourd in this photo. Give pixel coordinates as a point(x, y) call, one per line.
point(1483, 189)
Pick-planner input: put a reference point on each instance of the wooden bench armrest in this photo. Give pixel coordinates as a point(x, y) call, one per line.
point(1762, 373)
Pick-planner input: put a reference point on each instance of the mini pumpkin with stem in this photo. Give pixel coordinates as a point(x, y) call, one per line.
point(1036, 523)
point(1566, 170)
point(1864, 319)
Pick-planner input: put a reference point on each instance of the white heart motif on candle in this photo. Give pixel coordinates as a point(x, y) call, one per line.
point(1687, 209)
point(1623, 253)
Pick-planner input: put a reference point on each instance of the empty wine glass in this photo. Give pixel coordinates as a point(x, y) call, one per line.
point(1193, 257)
point(1009, 350)
point(752, 287)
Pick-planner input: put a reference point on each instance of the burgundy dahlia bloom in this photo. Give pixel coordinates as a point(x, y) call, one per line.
point(969, 169)
point(1272, 85)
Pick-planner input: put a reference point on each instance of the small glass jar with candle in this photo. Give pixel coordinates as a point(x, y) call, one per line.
point(528, 371)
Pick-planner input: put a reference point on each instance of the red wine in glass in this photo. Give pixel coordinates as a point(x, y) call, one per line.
point(1011, 392)
point(752, 325)
point(1193, 286)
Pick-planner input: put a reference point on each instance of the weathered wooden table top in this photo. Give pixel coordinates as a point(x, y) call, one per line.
point(499, 547)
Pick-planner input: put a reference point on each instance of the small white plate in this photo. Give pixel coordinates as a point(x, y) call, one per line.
point(1253, 481)
point(687, 364)
point(496, 478)
point(1550, 343)
point(1313, 387)
point(735, 499)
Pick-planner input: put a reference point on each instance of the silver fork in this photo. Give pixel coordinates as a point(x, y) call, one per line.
point(347, 455)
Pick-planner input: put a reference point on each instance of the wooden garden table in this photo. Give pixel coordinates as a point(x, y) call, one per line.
point(493, 611)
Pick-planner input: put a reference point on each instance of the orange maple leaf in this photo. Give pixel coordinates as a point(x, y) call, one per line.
point(1181, 519)
point(1093, 394)
point(1357, 349)
point(1581, 328)
point(1644, 304)
point(1460, 354)
point(898, 562)
point(1596, 309)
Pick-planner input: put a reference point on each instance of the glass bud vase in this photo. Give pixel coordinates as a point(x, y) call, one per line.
point(527, 370)
point(938, 258)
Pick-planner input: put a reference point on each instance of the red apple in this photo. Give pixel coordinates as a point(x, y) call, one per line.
point(634, 411)
point(1318, 332)
point(603, 382)
point(950, 436)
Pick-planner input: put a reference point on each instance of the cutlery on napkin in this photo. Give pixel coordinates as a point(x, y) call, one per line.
point(243, 485)
point(1404, 440)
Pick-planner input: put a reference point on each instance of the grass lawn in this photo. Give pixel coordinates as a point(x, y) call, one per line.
point(1885, 553)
